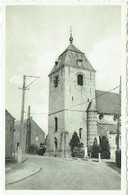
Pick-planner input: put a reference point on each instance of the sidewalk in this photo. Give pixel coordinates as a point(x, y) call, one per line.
point(15, 172)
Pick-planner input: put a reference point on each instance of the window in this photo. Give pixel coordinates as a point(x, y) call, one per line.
point(55, 141)
point(80, 79)
point(80, 132)
point(101, 116)
point(11, 129)
point(41, 145)
point(56, 124)
point(56, 63)
point(56, 81)
point(79, 62)
point(37, 138)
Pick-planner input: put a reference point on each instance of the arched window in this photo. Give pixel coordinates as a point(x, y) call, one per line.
point(55, 141)
point(99, 140)
point(80, 132)
point(80, 79)
point(56, 124)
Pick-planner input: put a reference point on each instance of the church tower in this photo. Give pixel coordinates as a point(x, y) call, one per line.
point(71, 88)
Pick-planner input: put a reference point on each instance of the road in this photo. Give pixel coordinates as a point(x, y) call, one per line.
point(62, 174)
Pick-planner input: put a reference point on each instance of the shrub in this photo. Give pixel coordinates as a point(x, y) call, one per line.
point(105, 155)
point(95, 149)
point(105, 148)
point(75, 145)
point(33, 149)
point(41, 151)
point(78, 152)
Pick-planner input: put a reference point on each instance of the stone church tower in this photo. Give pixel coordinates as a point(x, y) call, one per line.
point(71, 88)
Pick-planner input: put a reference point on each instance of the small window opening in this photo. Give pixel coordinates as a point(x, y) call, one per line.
point(41, 145)
point(56, 63)
point(72, 98)
point(80, 79)
point(37, 138)
point(101, 116)
point(79, 61)
point(55, 141)
point(56, 124)
point(56, 81)
point(80, 133)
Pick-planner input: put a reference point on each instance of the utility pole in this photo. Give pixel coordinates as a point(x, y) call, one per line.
point(21, 138)
point(22, 134)
point(118, 116)
point(28, 138)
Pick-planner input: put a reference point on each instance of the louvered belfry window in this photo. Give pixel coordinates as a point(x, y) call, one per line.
point(80, 79)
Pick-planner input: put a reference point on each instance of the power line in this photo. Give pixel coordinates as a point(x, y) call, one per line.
point(86, 101)
point(44, 113)
point(95, 97)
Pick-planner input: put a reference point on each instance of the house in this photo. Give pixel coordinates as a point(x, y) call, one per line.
point(34, 135)
point(75, 105)
point(9, 135)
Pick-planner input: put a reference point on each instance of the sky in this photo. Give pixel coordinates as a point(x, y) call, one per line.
point(37, 35)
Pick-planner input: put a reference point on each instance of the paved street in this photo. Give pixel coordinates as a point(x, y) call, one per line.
point(62, 174)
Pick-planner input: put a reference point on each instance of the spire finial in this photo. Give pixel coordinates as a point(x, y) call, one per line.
point(71, 38)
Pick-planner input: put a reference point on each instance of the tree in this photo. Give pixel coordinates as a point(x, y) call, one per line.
point(75, 144)
point(105, 148)
point(95, 149)
point(75, 141)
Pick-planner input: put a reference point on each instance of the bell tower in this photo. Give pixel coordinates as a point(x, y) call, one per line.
point(71, 88)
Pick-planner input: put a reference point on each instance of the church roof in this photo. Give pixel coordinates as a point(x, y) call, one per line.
point(70, 57)
point(107, 102)
point(71, 47)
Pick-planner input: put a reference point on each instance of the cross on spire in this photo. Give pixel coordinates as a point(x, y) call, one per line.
point(71, 38)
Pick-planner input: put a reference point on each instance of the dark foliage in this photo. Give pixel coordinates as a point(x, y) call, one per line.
point(78, 152)
point(104, 148)
point(41, 151)
point(75, 144)
point(33, 149)
point(95, 149)
point(75, 141)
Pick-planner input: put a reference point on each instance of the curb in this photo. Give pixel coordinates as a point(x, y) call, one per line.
point(29, 175)
point(24, 160)
point(9, 168)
